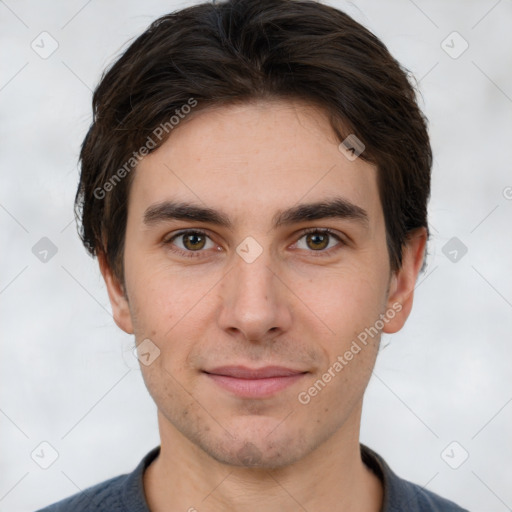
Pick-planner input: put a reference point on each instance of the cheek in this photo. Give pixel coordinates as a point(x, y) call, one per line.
point(346, 301)
point(349, 303)
point(160, 295)
point(173, 310)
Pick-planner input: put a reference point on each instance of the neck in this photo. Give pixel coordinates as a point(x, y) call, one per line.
point(183, 477)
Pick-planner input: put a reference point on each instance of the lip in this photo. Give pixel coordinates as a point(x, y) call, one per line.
point(254, 383)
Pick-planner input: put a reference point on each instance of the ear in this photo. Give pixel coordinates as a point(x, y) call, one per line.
point(116, 294)
point(403, 281)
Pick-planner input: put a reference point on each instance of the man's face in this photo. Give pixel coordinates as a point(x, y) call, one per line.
point(250, 294)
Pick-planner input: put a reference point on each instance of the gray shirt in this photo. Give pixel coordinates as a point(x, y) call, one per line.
point(125, 493)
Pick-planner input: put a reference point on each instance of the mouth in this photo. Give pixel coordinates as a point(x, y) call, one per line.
point(254, 383)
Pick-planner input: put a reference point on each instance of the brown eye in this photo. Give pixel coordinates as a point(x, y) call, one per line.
point(320, 241)
point(193, 241)
point(190, 243)
point(317, 241)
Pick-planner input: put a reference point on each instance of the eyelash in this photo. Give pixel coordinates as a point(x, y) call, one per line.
point(196, 254)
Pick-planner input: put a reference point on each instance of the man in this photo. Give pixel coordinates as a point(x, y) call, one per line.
point(255, 186)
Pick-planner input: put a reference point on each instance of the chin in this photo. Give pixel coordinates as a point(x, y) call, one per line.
point(263, 450)
point(250, 455)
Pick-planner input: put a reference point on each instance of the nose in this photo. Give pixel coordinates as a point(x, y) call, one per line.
point(254, 301)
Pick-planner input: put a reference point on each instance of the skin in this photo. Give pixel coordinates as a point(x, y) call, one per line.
point(295, 305)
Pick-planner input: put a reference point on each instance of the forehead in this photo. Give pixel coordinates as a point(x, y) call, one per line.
point(257, 158)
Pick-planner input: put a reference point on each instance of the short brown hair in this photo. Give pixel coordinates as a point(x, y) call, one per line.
point(241, 50)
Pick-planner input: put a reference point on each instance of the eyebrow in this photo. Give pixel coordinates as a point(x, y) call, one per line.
point(333, 208)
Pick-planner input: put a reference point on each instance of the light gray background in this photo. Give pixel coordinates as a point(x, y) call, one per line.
point(68, 376)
